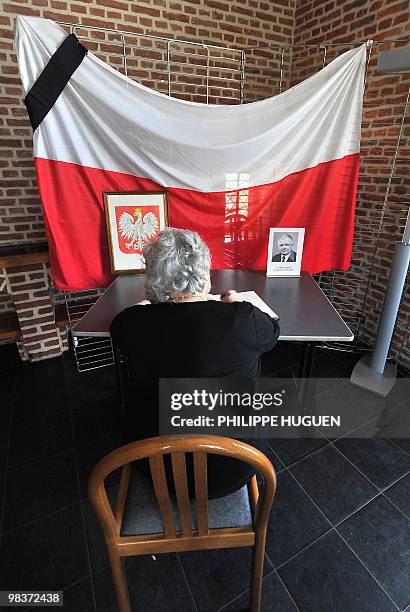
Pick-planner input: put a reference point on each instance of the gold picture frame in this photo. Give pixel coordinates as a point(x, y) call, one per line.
point(133, 218)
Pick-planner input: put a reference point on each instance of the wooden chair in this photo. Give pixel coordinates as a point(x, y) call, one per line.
point(186, 524)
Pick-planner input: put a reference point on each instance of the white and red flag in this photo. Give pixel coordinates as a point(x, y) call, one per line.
point(231, 171)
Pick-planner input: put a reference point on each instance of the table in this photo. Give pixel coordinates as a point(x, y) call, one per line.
point(306, 314)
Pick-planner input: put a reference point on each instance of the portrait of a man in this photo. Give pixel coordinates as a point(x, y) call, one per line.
point(284, 249)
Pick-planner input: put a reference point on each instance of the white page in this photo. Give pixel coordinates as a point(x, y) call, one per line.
point(253, 298)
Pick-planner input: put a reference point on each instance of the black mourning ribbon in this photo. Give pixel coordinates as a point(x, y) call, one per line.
point(55, 76)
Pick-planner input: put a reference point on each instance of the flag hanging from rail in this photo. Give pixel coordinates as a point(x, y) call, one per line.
point(231, 171)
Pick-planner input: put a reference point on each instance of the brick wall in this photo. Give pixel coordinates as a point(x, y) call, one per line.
point(322, 22)
point(228, 24)
point(28, 287)
point(235, 24)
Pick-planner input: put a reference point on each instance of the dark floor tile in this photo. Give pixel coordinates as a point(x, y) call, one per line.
point(369, 430)
point(380, 535)
point(327, 577)
point(366, 403)
point(283, 356)
point(216, 577)
point(35, 375)
point(399, 495)
point(294, 521)
point(40, 488)
point(278, 374)
point(41, 425)
point(379, 459)
point(327, 372)
point(396, 422)
point(321, 384)
point(47, 554)
point(95, 415)
point(294, 449)
point(3, 478)
point(90, 454)
point(93, 397)
point(400, 392)
point(328, 365)
point(100, 383)
point(5, 435)
point(79, 597)
point(330, 403)
point(7, 387)
point(76, 598)
point(154, 586)
point(404, 444)
point(275, 460)
point(333, 483)
point(9, 355)
point(275, 598)
point(44, 397)
point(347, 358)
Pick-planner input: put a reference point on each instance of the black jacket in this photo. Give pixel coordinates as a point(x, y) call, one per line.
point(189, 340)
point(278, 257)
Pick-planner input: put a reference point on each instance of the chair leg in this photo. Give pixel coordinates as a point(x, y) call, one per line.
point(120, 581)
point(257, 572)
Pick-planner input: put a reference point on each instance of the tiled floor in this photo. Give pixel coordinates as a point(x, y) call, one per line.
point(338, 537)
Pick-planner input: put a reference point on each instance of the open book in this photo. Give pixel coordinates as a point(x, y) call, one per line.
point(253, 298)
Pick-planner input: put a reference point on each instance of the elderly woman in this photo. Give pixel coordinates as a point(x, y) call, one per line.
point(178, 333)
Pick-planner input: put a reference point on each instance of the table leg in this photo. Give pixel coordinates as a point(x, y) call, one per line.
point(305, 370)
point(121, 373)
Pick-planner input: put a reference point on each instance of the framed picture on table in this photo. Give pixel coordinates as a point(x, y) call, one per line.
point(134, 218)
point(285, 251)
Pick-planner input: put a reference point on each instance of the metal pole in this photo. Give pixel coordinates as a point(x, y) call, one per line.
point(281, 70)
point(392, 301)
point(391, 306)
point(242, 77)
point(124, 55)
point(169, 43)
point(207, 73)
point(374, 374)
point(370, 44)
point(321, 273)
point(386, 196)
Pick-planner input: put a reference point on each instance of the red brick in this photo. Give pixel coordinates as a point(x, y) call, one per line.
point(119, 6)
point(145, 10)
point(32, 346)
point(47, 353)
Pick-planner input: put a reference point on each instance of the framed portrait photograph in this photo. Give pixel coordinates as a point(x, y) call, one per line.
point(133, 219)
point(285, 251)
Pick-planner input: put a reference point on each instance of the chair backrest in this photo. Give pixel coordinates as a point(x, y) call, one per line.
point(154, 449)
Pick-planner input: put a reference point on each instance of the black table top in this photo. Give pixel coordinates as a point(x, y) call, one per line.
point(304, 310)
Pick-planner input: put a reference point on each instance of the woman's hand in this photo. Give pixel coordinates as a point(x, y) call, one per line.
point(230, 295)
point(143, 303)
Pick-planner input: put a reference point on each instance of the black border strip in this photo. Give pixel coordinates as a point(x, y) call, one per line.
point(55, 76)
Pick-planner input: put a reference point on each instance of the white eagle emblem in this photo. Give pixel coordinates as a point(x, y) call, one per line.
point(138, 231)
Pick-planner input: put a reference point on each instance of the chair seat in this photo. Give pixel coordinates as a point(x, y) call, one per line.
point(142, 515)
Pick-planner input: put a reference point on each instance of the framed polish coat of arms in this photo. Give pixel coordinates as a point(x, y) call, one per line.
point(134, 218)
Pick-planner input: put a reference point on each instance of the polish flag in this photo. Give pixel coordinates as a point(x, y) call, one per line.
point(231, 171)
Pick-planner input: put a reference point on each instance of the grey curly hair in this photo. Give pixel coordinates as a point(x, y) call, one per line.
point(178, 261)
